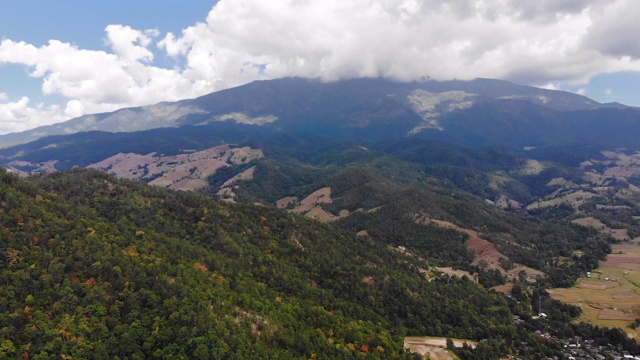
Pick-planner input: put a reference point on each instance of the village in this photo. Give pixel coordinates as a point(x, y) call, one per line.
point(577, 348)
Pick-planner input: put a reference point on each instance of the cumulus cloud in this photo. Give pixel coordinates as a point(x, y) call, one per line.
point(92, 81)
point(528, 42)
point(130, 44)
point(616, 30)
point(18, 115)
point(544, 42)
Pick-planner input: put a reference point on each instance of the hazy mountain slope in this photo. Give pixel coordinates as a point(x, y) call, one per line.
point(360, 108)
point(83, 149)
point(123, 120)
point(516, 124)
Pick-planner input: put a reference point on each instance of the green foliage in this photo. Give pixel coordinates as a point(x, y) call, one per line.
point(277, 180)
point(96, 267)
point(386, 195)
point(490, 278)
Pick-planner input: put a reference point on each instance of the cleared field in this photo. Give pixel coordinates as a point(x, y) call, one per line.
point(619, 234)
point(434, 347)
point(610, 297)
point(459, 273)
point(574, 199)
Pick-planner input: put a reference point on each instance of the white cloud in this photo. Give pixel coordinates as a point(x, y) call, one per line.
point(615, 33)
point(17, 52)
point(540, 42)
point(582, 91)
point(18, 116)
point(129, 44)
point(74, 108)
point(530, 42)
point(91, 81)
point(3, 96)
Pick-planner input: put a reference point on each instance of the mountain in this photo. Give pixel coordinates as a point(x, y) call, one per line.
point(366, 109)
point(431, 209)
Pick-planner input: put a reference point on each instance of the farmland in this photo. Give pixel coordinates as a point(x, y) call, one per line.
point(610, 296)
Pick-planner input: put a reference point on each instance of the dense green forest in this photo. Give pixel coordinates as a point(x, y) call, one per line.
point(96, 267)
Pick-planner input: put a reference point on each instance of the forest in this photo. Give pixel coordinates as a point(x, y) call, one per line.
point(96, 267)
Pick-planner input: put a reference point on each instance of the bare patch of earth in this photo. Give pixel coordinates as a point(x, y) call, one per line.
point(320, 214)
point(532, 167)
point(226, 190)
point(505, 289)
point(485, 250)
point(557, 182)
point(180, 172)
point(621, 165)
point(434, 347)
point(458, 273)
point(286, 202)
point(431, 105)
point(311, 207)
point(25, 168)
point(321, 196)
point(245, 175)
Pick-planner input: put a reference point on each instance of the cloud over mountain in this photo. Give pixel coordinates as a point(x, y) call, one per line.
point(537, 43)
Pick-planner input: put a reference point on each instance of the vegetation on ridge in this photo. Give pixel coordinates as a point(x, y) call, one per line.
point(99, 267)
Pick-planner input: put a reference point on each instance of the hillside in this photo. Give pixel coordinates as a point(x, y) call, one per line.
point(99, 267)
point(382, 189)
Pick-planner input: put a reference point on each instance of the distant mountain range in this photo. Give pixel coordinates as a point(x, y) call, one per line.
point(473, 113)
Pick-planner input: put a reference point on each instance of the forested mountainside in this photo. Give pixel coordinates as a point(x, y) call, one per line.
point(387, 191)
point(96, 267)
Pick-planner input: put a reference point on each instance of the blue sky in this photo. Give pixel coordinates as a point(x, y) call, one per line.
point(82, 23)
point(64, 58)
